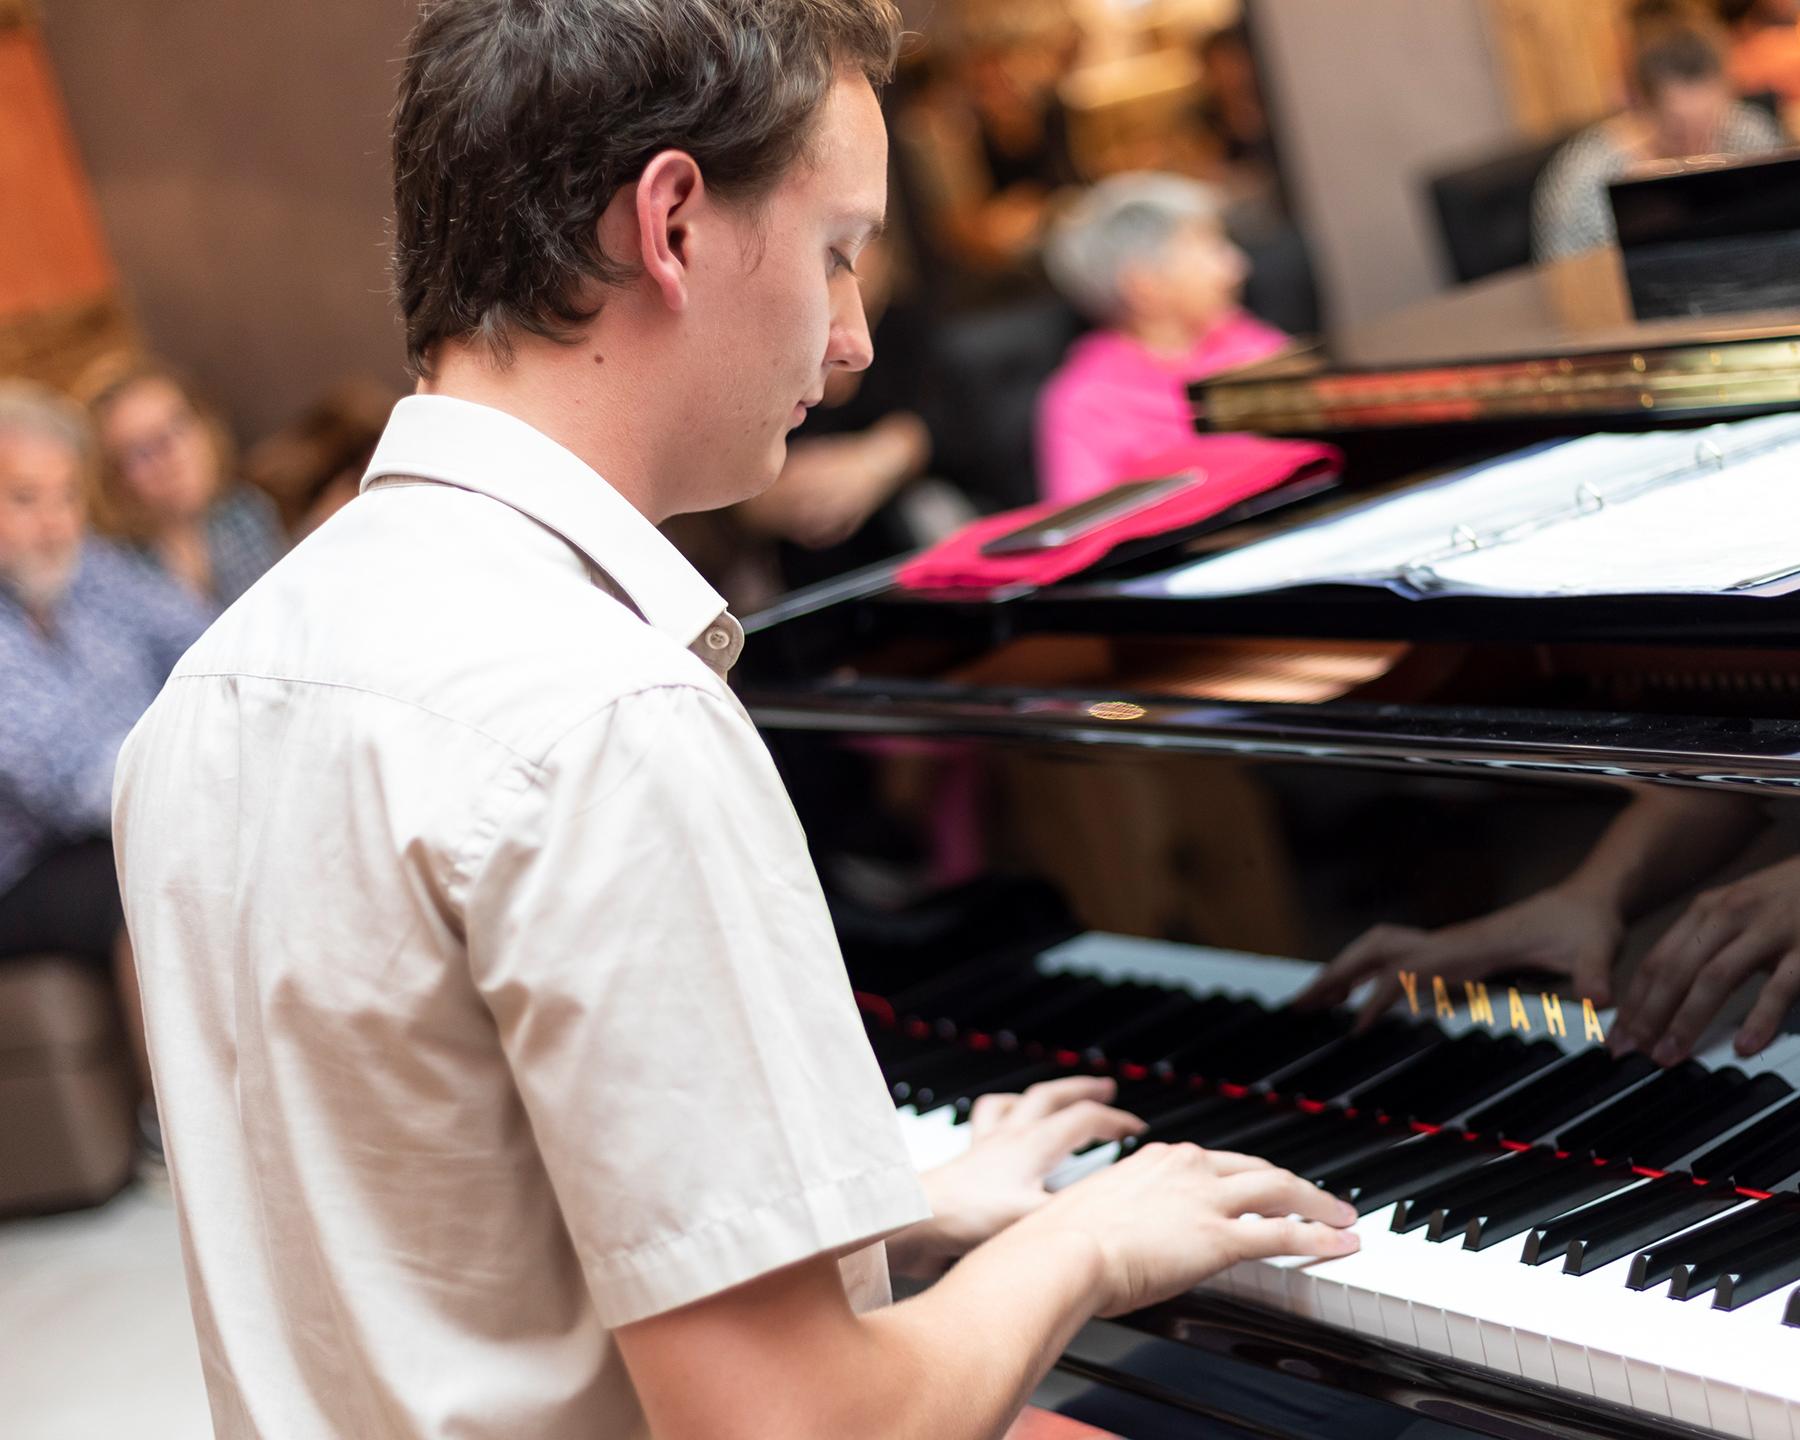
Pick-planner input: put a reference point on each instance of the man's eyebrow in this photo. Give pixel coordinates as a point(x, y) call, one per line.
point(873, 225)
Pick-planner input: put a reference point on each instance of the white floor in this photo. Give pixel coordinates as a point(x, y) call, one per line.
point(95, 1338)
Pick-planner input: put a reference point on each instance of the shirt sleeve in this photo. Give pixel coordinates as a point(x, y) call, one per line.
point(650, 937)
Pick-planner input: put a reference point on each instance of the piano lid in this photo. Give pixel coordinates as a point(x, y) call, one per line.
point(1556, 343)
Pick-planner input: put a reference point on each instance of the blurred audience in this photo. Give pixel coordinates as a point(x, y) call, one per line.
point(168, 487)
point(88, 634)
point(1682, 105)
point(313, 466)
point(1146, 258)
point(984, 140)
point(1232, 113)
point(1764, 59)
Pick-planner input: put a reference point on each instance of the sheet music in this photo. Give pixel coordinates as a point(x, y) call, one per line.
point(1722, 530)
point(1412, 540)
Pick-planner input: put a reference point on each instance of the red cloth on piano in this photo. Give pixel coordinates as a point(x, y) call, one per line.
point(1233, 468)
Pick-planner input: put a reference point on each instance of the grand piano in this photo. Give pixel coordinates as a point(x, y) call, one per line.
point(1111, 826)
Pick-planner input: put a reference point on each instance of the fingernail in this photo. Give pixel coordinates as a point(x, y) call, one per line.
point(1348, 1241)
point(1668, 1052)
point(1346, 1212)
point(1748, 1042)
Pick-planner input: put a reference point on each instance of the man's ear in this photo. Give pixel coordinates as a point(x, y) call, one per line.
point(657, 216)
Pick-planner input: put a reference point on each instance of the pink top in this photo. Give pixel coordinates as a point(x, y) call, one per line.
point(1113, 407)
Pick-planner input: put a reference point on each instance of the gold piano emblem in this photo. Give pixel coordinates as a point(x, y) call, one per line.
point(1480, 1007)
point(1116, 710)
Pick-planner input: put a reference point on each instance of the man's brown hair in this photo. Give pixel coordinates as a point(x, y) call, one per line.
point(519, 120)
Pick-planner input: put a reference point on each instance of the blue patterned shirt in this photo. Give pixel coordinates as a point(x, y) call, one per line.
point(243, 539)
point(68, 697)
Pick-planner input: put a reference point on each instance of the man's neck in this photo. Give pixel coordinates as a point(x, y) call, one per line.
point(554, 389)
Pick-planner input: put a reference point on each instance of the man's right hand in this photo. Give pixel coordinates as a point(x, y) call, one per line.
point(1168, 1217)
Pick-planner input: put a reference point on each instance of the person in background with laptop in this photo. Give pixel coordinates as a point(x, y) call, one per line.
point(1146, 257)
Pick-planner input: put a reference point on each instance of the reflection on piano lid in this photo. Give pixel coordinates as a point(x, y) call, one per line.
point(1626, 1236)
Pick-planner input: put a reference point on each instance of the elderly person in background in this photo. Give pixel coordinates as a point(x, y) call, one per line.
point(87, 636)
point(168, 487)
point(1145, 256)
point(1682, 105)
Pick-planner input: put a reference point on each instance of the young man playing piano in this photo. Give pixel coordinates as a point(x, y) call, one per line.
point(511, 1079)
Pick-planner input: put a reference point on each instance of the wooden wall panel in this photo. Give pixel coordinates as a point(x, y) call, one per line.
point(51, 254)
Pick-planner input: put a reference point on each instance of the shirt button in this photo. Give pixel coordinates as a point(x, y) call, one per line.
point(718, 639)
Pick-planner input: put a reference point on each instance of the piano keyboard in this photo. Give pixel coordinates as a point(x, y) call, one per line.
point(1528, 1204)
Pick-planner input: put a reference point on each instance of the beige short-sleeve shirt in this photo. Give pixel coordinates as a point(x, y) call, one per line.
point(492, 999)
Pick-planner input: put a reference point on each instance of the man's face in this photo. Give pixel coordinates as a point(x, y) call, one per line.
point(783, 311)
point(1688, 115)
point(41, 515)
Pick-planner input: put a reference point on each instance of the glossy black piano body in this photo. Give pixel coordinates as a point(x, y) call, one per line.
point(983, 776)
point(1469, 754)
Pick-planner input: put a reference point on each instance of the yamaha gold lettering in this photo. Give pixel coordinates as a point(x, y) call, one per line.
point(1525, 1014)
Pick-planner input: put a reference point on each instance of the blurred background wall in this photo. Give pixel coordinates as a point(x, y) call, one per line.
point(237, 151)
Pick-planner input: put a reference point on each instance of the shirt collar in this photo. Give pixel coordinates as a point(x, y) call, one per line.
point(475, 447)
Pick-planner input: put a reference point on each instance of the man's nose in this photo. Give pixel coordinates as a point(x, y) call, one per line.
point(851, 347)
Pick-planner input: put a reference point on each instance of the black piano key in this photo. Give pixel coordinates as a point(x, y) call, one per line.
point(1507, 1216)
point(1614, 1132)
point(1352, 1141)
point(1358, 1059)
point(1154, 1098)
point(959, 1074)
point(1755, 1153)
point(1173, 1122)
point(1119, 1003)
point(1791, 1315)
point(1030, 1020)
point(1510, 1168)
point(1228, 1128)
point(1559, 1094)
point(1299, 1037)
point(1659, 1262)
point(1385, 1178)
point(1738, 1102)
point(1223, 1053)
point(1776, 1263)
point(1762, 1232)
point(997, 1008)
point(1670, 1211)
point(1447, 1081)
point(1189, 1038)
point(1550, 1239)
point(1009, 1080)
point(1164, 1013)
point(953, 994)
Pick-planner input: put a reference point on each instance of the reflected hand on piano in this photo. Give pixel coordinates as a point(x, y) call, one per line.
point(1659, 845)
point(1565, 930)
point(1016, 1141)
point(1727, 935)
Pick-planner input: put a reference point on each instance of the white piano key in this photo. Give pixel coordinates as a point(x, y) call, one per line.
point(1729, 1410)
point(1687, 1398)
point(1648, 1392)
point(1397, 1320)
point(1499, 1346)
point(1365, 1312)
point(1465, 1337)
point(1607, 1371)
point(1570, 1363)
point(1432, 1331)
point(1770, 1417)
